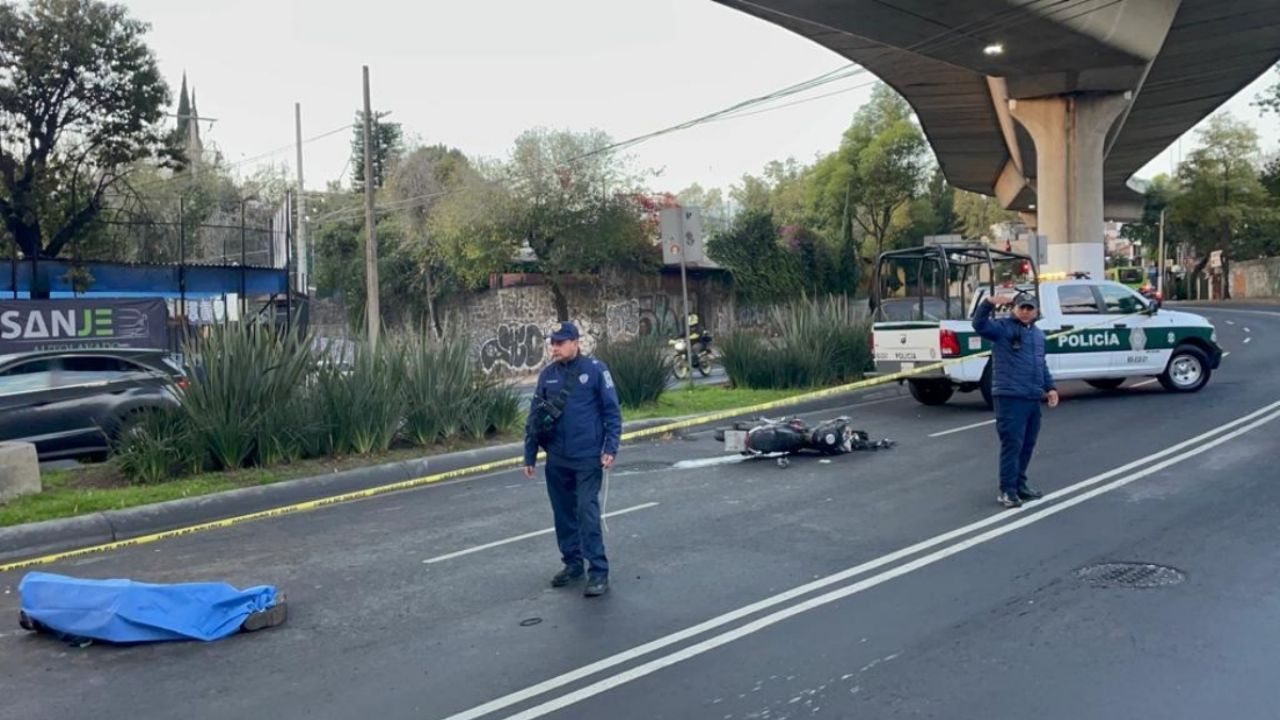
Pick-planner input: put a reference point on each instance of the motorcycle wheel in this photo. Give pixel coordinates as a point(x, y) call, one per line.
point(681, 368)
point(704, 364)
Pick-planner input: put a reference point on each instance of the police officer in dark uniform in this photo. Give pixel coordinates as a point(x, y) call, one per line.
point(575, 417)
point(1020, 380)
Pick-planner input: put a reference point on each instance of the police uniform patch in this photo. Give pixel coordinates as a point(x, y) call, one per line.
point(583, 378)
point(608, 379)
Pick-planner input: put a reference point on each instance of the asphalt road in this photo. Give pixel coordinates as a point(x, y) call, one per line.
point(877, 585)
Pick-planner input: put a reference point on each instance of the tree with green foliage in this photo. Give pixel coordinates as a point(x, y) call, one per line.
point(388, 141)
point(933, 212)
point(752, 193)
point(420, 181)
point(81, 103)
point(763, 270)
point(1159, 196)
point(1269, 99)
point(880, 167)
point(976, 214)
point(565, 195)
point(1221, 201)
point(1270, 178)
point(715, 214)
point(781, 188)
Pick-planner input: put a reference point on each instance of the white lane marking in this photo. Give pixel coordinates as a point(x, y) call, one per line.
point(1231, 322)
point(984, 423)
point(525, 536)
point(1234, 310)
point(788, 595)
point(1246, 329)
point(708, 462)
point(755, 626)
point(1246, 340)
point(1148, 382)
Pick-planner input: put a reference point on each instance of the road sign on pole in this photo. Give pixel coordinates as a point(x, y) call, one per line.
point(682, 237)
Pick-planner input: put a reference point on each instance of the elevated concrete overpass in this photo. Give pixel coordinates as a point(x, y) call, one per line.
point(1051, 106)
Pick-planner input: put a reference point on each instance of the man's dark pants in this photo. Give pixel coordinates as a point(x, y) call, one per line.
point(1018, 424)
point(575, 501)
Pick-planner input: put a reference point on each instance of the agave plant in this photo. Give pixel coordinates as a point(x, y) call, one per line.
point(364, 402)
point(641, 368)
point(241, 397)
point(439, 383)
point(814, 342)
point(157, 446)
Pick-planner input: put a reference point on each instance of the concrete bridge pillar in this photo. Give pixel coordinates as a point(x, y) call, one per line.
point(1070, 133)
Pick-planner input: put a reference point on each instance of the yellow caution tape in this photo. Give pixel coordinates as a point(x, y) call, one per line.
point(505, 464)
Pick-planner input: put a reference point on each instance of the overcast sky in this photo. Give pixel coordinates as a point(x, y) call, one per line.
point(473, 74)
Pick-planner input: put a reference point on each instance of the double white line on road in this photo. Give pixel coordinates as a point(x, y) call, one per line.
point(1032, 513)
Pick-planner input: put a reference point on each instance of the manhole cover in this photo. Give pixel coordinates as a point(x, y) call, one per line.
point(1130, 575)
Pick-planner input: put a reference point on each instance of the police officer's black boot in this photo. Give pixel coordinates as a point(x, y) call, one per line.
point(597, 585)
point(1026, 492)
point(568, 575)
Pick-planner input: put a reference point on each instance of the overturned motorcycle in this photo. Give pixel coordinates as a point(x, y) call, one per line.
point(781, 437)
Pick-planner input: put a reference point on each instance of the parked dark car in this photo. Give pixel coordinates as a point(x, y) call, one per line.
point(72, 403)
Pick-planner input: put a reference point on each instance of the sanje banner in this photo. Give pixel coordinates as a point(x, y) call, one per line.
point(30, 325)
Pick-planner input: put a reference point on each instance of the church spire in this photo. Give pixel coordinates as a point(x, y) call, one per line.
point(184, 108)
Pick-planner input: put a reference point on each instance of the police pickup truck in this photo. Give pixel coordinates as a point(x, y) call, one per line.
point(1100, 331)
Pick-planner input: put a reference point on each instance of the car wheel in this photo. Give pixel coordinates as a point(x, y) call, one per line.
point(1187, 371)
point(1106, 383)
point(931, 392)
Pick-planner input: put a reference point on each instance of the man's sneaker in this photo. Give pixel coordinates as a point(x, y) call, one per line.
point(1026, 492)
point(569, 575)
point(269, 618)
point(1009, 500)
point(597, 586)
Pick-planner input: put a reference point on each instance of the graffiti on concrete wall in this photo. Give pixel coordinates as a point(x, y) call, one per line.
point(519, 347)
point(622, 320)
point(660, 314)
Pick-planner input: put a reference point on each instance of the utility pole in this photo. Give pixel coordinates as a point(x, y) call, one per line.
point(1160, 262)
point(300, 251)
point(684, 291)
point(372, 313)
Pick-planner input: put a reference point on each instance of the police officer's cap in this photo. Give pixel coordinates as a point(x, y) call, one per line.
point(566, 331)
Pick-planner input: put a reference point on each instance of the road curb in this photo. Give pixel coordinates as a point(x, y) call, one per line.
point(21, 542)
point(53, 536)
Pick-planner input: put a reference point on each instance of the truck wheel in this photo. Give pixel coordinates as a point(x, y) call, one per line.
point(1187, 371)
point(1106, 383)
point(985, 387)
point(931, 392)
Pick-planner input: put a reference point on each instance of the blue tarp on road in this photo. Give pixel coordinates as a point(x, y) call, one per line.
point(125, 611)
